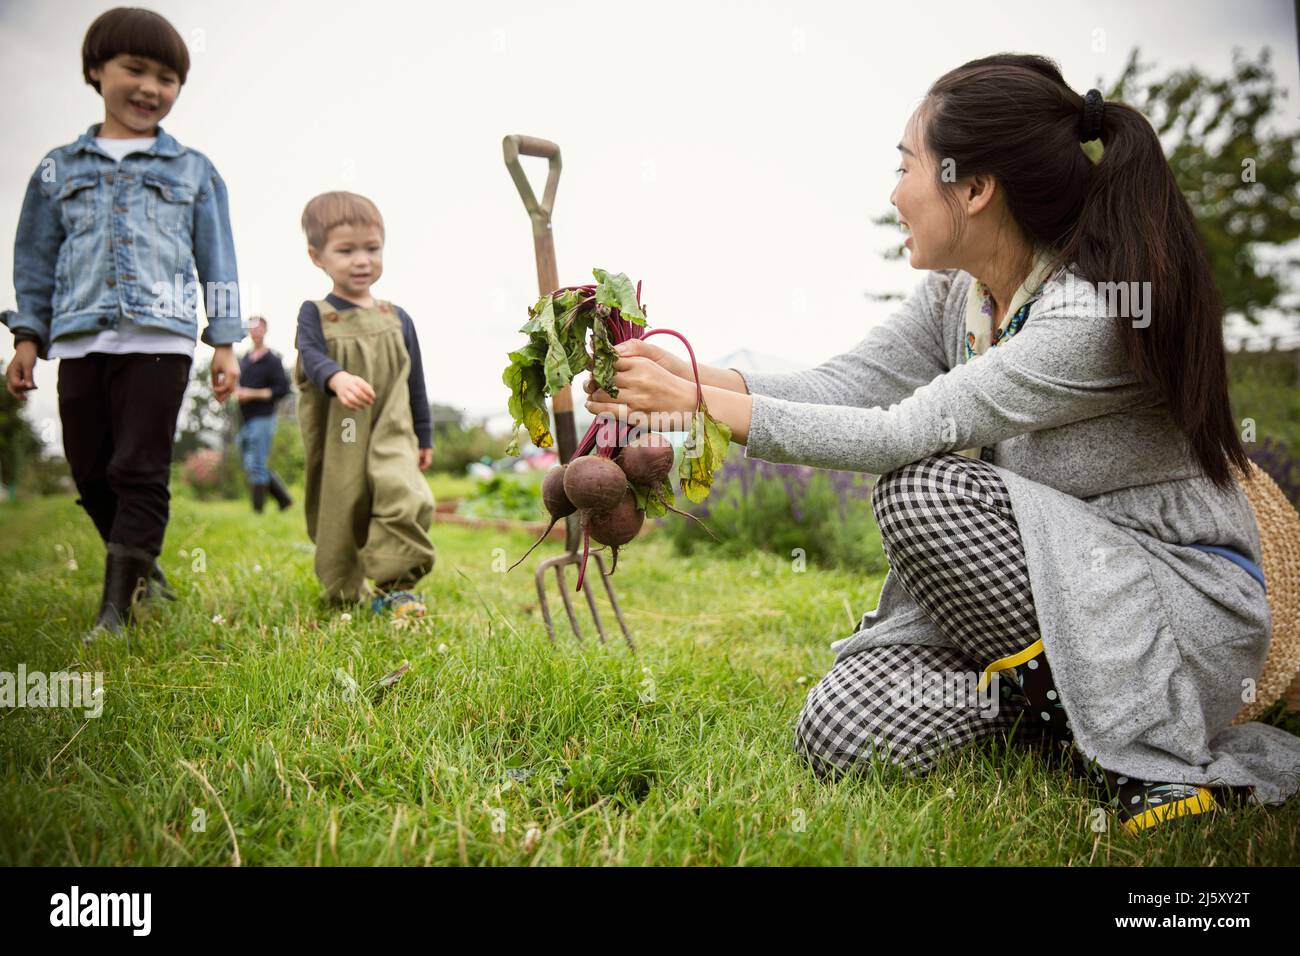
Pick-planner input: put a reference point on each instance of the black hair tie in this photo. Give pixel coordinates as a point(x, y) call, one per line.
point(1090, 126)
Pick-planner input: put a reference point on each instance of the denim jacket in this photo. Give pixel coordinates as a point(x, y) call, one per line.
point(97, 239)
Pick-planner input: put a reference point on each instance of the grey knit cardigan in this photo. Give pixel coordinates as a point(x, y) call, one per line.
point(1154, 645)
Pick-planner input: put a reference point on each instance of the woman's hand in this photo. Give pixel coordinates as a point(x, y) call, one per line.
point(645, 386)
point(426, 458)
point(679, 367)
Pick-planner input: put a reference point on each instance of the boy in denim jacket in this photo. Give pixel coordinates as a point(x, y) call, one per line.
point(112, 229)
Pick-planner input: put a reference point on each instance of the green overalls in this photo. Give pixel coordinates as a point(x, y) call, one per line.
point(368, 506)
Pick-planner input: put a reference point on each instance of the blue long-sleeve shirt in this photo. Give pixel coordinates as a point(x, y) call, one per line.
point(318, 366)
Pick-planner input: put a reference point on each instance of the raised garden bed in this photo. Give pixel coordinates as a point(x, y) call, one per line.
point(445, 513)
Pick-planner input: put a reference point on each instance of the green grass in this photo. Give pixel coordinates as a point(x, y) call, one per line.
point(679, 755)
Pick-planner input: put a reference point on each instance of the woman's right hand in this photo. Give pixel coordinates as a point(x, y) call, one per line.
point(661, 357)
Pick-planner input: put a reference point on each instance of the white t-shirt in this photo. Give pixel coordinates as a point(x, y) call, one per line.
point(117, 148)
point(128, 336)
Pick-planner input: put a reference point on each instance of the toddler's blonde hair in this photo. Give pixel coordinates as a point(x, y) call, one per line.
point(328, 210)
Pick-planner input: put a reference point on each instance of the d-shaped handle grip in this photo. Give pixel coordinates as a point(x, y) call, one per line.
point(515, 146)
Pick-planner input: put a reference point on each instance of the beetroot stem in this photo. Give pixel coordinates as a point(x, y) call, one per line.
point(545, 534)
point(695, 369)
point(586, 547)
point(588, 440)
point(695, 518)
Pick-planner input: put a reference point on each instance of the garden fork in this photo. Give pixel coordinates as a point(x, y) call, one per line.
point(566, 434)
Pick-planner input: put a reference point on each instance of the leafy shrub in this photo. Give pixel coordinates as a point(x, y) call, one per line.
point(455, 448)
point(287, 458)
point(1265, 393)
point(20, 446)
point(783, 507)
point(46, 475)
point(505, 496)
point(201, 470)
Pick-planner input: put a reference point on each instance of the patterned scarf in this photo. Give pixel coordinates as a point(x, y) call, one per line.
point(981, 332)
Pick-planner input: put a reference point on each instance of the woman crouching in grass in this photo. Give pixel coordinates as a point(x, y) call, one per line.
point(1048, 414)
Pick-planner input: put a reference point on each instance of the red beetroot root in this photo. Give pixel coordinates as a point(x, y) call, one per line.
point(647, 459)
point(594, 483)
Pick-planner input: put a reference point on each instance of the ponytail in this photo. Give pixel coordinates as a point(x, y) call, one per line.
point(1135, 226)
point(1122, 219)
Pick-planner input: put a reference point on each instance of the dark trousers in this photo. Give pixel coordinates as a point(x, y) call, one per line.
point(119, 419)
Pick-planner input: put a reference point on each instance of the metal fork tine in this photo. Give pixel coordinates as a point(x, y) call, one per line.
point(564, 594)
point(558, 564)
point(541, 599)
point(591, 603)
point(613, 602)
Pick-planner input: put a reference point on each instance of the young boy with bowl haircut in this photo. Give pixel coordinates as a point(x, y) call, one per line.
point(112, 230)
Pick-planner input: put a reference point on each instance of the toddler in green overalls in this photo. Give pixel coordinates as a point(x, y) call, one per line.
point(365, 419)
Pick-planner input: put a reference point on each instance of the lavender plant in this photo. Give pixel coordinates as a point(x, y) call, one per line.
point(1277, 461)
point(789, 510)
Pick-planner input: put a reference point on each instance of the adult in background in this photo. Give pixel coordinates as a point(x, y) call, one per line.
point(262, 384)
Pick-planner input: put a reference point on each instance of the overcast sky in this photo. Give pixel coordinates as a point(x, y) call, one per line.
point(730, 155)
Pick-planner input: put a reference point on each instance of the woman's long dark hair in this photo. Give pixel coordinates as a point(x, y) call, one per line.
point(1123, 219)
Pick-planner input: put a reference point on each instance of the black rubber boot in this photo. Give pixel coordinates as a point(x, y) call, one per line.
point(278, 491)
point(159, 585)
point(259, 497)
point(127, 572)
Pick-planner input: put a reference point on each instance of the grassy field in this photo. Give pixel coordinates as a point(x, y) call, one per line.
point(246, 724)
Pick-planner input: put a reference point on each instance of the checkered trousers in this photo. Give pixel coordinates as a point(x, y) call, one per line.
point(952, 540)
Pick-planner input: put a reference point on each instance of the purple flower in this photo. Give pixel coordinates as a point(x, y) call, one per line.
point(1274, 458)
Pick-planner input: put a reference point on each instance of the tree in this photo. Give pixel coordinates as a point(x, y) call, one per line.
point(19, 442)
point(445, 418)
point(1239, 175)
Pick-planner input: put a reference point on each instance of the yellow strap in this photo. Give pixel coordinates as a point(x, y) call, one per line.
point(1202, 802)
point(1015, 660)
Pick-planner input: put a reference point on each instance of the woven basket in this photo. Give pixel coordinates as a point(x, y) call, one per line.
point(1279, 538)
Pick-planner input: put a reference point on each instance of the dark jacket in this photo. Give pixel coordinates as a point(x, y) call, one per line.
point(266, 372)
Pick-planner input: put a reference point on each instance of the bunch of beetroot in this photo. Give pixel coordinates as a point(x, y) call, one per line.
point(618, 474)
point(605, 493)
